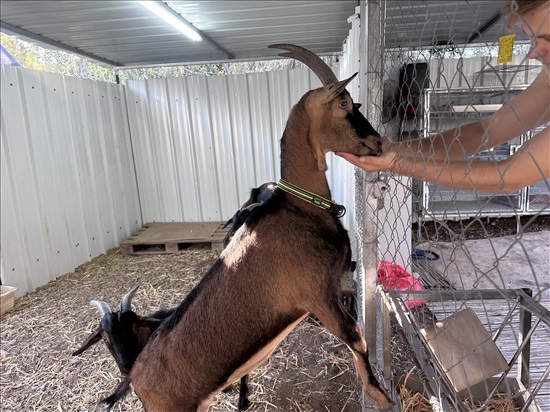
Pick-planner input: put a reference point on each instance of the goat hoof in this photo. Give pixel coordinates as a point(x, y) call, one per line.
point(243, 404)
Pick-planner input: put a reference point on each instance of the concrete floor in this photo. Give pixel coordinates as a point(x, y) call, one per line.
point(509, 262)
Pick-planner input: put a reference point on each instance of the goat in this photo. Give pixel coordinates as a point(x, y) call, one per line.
point(125, 333)
point(284, 263)
point(258, 195)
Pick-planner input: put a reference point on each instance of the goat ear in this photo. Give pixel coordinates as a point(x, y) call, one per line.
point(335, 89)
point(146, 326)
point(152, 323)
point(94, 337)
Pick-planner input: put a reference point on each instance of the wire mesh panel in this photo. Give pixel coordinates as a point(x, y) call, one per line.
point(463, 267)
point(450, 108)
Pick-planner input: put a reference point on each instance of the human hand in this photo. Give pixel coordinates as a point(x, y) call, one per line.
point(381, 163)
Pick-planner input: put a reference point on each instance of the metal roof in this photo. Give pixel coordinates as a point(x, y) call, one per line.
point(123, 33)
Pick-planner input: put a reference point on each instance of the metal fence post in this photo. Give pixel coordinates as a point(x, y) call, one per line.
point(371, 71)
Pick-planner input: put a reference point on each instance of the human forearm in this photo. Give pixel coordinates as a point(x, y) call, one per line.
point(529, 109)
point(528, 165)
point(451, 144)
point(476, 175)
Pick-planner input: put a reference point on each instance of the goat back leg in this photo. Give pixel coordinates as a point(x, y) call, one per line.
point(243, 394)
point(340, 323)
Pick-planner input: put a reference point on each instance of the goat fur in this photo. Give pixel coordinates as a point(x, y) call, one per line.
point(284, 263)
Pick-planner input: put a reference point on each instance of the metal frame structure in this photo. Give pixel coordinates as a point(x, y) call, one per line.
point(376, 307)
point(441, 394)
point(480, 206)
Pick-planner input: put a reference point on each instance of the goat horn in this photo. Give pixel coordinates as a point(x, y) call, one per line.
point(252, 206)
point(310, 59)
point(126, 301)
point(104, 309)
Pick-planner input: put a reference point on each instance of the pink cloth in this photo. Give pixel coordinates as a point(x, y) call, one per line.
point(394, 277)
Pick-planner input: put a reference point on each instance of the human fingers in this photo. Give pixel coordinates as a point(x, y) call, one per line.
point(367, 163)
point(384, 162)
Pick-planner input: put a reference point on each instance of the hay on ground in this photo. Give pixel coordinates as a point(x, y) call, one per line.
point(310, 372)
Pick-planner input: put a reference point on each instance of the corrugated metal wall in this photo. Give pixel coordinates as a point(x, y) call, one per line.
point(70, 189)
point(469, 73)
point(68, 183)
point(201, 143)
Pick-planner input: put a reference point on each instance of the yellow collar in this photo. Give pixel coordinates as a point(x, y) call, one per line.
point(312, 198)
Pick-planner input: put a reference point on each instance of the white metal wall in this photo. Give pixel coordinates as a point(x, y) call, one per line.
point(74, 183)
point(201, 143)
point(68, 187)
point(469, 73)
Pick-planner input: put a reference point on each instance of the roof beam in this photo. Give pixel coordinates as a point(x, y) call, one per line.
point(485, 27)
point(10, 29)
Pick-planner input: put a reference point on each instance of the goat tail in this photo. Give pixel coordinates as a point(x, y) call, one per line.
point(119, 393)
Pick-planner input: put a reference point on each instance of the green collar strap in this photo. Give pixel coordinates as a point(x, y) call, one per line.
point(312, 198)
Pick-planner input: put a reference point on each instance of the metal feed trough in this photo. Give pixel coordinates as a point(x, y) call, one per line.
point(454, 359)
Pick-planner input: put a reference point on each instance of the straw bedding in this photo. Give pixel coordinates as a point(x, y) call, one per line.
point(310, 372)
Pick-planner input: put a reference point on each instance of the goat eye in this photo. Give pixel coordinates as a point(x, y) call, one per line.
point(343, 105)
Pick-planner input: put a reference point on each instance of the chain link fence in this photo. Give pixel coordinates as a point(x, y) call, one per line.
point(464, 281)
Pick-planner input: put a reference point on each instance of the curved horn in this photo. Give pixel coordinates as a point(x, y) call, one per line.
point(252, 206)
point(104, 309)
point(126, 301)
point(310, 59)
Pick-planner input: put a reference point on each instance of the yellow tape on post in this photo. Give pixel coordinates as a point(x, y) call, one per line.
point(505, 48)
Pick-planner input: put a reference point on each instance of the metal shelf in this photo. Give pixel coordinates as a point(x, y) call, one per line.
point(444, 109)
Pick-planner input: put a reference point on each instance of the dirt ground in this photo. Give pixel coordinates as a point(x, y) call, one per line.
point(311, 371)
point(492, 253)
point(478, 228)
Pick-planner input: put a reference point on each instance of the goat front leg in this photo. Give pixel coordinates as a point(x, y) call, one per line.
point(340, 323)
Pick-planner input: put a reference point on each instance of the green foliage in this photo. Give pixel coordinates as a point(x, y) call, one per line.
point(32, 56)
point(215, 69)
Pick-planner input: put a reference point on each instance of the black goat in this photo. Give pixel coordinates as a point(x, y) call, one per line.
point(125, 333)
point(258, 195)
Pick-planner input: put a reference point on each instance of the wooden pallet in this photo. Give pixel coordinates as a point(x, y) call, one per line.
point(161, 238)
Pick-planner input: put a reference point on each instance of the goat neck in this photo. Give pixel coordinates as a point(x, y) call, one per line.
point(299, 162)
point(324, 120)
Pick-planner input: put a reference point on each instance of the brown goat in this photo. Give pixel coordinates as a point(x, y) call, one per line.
point(284, 263)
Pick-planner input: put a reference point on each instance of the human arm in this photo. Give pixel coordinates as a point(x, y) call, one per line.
point(435, 158)
point(526, 111)
point(529, 109)
point(528, 165)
